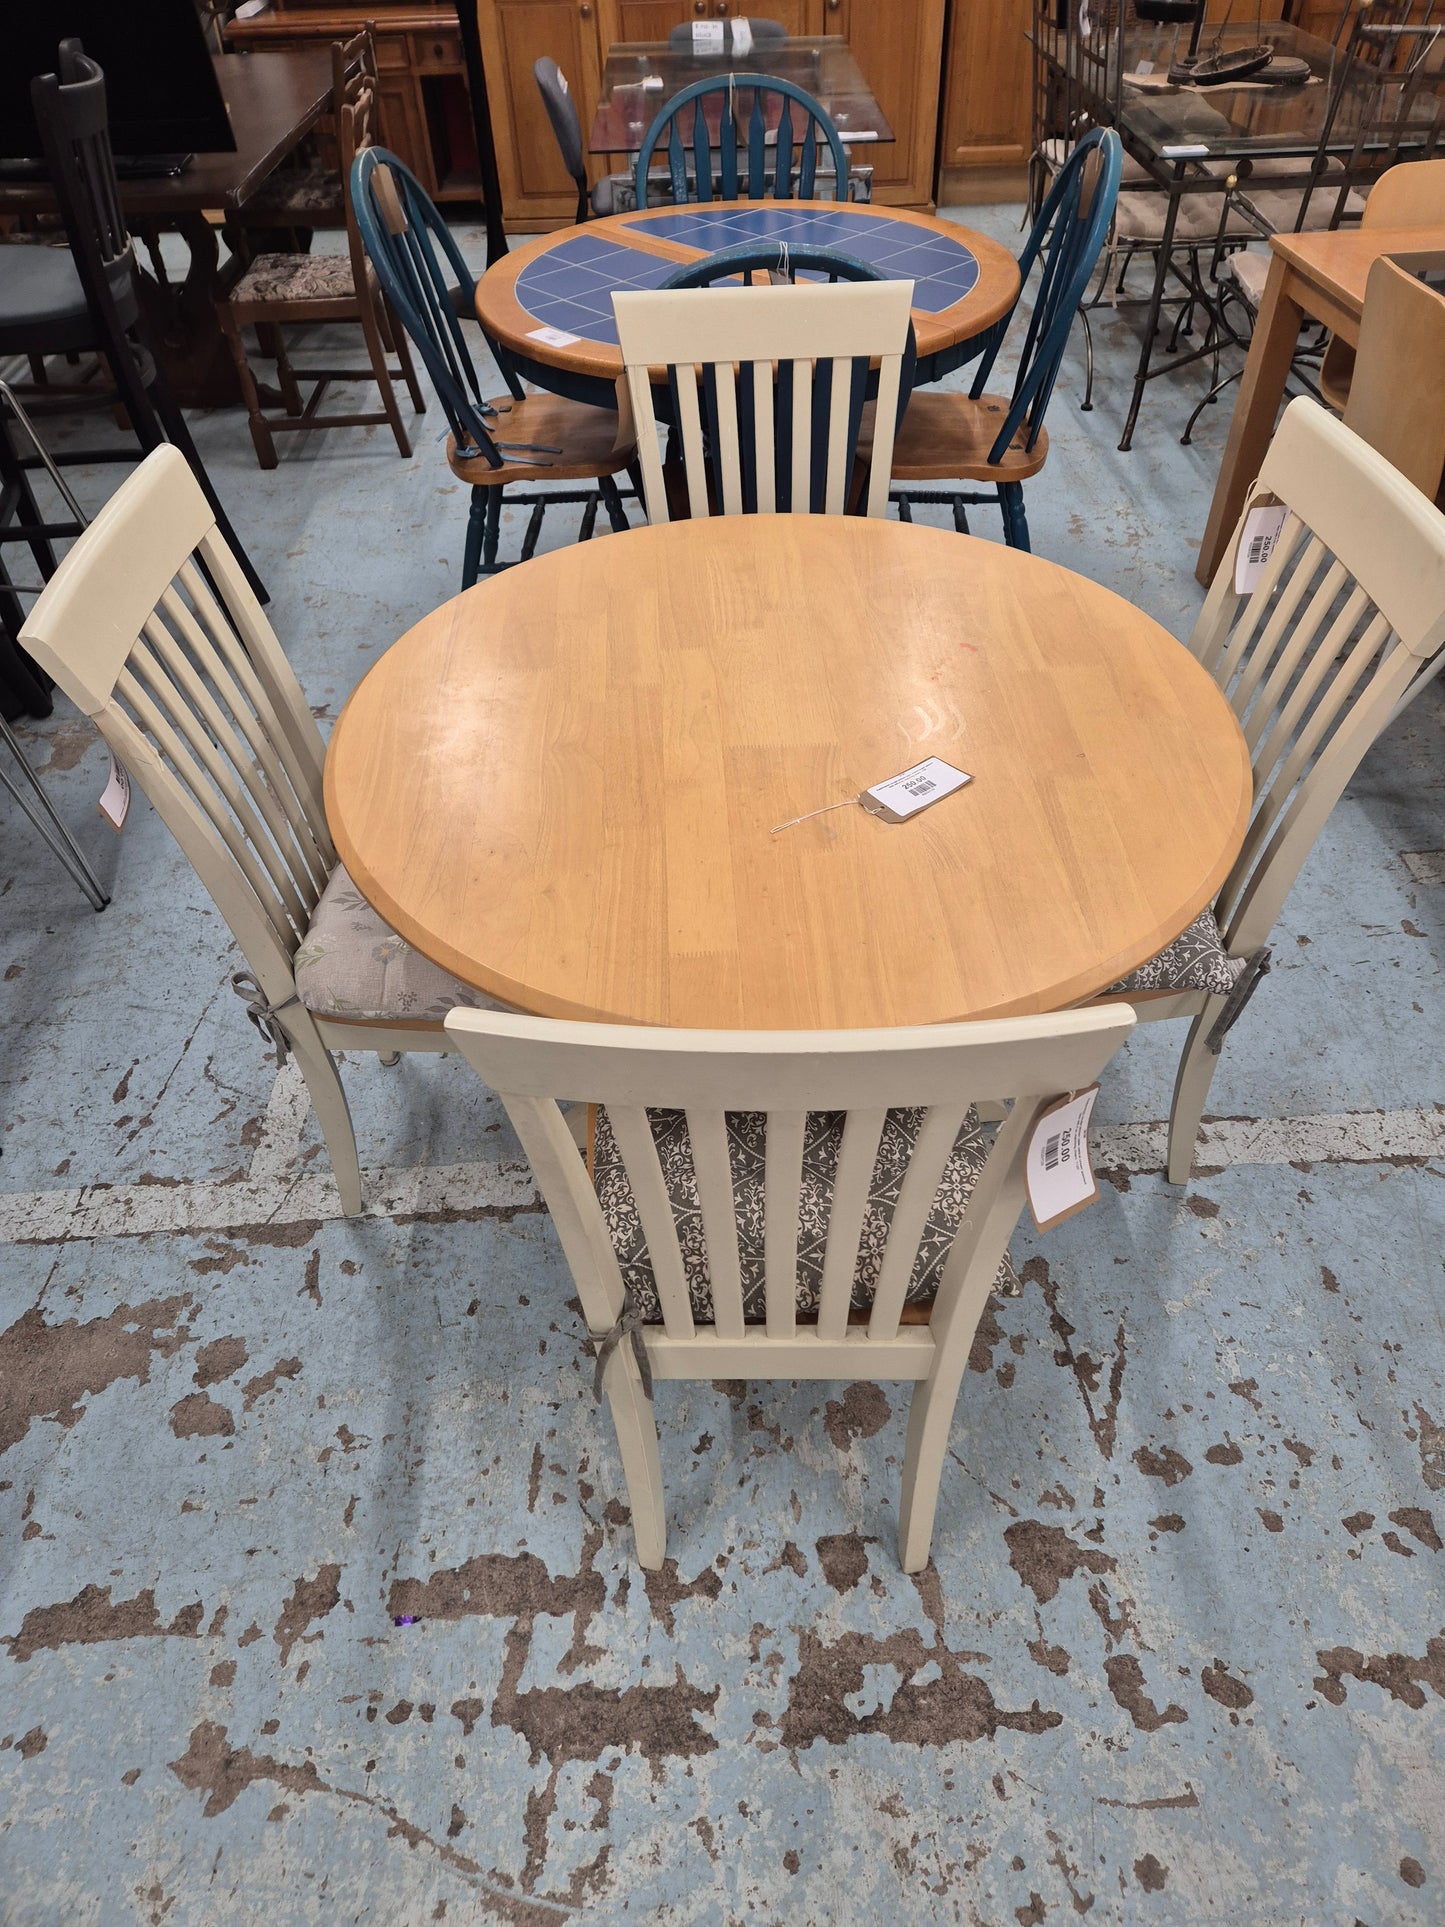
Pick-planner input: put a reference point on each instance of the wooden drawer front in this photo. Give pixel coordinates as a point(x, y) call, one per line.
point(392, 53)
point(439, 52)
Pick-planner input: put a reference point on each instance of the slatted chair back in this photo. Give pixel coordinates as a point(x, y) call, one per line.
point(153, 632)
point(792, 356)
point(533, 1064)
point(402, 231)
point(1065, 243)
point(70, 112)
point(746, 159)
point(1318, 655)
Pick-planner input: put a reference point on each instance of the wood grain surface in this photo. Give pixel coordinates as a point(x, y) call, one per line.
point(562, 785)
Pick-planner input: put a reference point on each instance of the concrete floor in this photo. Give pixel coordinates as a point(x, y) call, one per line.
point(1180, 1657)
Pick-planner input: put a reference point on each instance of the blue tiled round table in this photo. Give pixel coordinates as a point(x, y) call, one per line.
point(548, 304)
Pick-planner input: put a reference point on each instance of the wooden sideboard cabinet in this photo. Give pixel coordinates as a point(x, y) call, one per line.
point(898, 45)
point(426, 116)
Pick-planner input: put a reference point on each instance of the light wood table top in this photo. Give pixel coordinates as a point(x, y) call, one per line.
point(563, 282)
point(1320, 277)
point(562, 784)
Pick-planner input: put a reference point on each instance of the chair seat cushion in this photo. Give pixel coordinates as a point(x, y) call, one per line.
point(823, 1135)
point(1139, 217)
point(351, 963)
point(1248, 270)
point(296, 277)
point(1196, 960)
point(948, 437)
point(43, 305)
point(307, 194)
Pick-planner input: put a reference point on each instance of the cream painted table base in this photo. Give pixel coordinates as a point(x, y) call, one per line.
point(562, 785)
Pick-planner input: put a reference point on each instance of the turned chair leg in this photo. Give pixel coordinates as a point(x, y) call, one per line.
point(476, 517)
point(261, 436)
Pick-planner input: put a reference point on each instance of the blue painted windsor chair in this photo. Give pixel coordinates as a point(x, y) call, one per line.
point(817, 128)
point(788, 263)
point(1000, 439)
point(547, 436)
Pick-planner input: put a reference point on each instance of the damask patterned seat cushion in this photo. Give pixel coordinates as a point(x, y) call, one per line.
point(1196, 960)
point(822, 1138)
point(352, 964)
point(296, 277)
point(305, 193)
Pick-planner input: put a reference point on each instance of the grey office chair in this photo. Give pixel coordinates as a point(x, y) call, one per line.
point(562, 112)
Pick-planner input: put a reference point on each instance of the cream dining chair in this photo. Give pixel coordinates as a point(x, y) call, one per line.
point(151, 630)
point(1316, 659)
point(742, 340)
point(780, 1204)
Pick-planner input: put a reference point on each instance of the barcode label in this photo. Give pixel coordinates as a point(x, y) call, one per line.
point(1057, 1172)
point(903, 796)
point(1262, 529)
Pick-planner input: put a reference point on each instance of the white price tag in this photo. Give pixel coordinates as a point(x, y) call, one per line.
point(1057, 1172)
point(1256, 545)
point(707, 36)
point(742, 36)
point(903, 796)
point(1145, 67)
point(552, 337)
point(1183, 151)
point(114, 804)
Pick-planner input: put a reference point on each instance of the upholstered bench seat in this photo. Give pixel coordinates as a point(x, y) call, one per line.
point(353, 964)
point(822, 1139)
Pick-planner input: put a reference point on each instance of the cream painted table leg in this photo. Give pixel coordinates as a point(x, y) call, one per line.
point(1276, 333)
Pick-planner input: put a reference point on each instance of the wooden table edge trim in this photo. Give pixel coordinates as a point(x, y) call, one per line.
point(502, 315)
point(1081, 989)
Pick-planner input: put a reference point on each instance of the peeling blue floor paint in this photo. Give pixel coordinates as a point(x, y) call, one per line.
point(317, 1591)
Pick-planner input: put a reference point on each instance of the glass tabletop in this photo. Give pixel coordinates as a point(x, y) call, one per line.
point(1250, 117)
point(640, 77)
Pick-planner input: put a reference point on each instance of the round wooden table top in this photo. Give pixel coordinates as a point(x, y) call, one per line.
point(561, 284)
point(563, 784)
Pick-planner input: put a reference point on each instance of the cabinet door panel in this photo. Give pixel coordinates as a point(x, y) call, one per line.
point(986, 111)
point(899, 49)
point(536, 189)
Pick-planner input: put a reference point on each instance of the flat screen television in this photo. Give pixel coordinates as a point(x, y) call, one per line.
point(161, 90)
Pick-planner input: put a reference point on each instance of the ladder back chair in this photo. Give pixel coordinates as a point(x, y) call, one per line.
point(95, 307)
point(1344, 627)
point(1000, 439)
point(547, 437)
point(287, 290)
point(151, 630)
point(744, 158)
point(823, 1181)
point(783, 372)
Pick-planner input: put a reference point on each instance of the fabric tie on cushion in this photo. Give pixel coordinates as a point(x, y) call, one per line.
point(263, 1014)
point(1256, 966)
point(628, 1325)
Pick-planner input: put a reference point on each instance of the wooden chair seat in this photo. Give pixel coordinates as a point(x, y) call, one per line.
point(948, 437)
point(588, 438)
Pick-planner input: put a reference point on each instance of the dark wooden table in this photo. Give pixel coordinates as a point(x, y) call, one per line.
point(274, 100)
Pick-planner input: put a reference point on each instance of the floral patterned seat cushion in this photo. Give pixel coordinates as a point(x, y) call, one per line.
point(296, 277)
point(297, 191)
point(1196, 960)
point(352, 964)
point(822, 1138)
